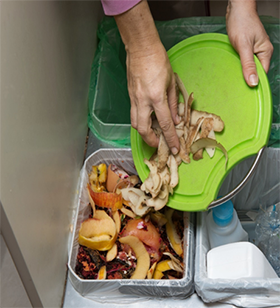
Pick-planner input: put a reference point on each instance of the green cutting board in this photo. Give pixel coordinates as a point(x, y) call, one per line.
point(211, 69)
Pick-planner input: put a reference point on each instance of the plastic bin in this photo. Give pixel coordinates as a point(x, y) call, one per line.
point(110, 290)
point(240, 292)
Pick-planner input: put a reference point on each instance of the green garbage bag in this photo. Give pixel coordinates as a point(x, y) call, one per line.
point(109, 104)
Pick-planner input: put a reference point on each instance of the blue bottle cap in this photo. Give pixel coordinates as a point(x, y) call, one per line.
point(222, 214)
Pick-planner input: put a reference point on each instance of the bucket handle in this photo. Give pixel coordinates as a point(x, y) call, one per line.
point(237, 189)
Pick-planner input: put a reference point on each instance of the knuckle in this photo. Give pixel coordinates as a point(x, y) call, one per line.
point(143, 131)
point(166, 125)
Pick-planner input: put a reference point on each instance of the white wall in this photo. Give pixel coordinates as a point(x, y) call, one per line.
point(46, 52)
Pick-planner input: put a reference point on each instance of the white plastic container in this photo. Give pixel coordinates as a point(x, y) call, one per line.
point(223, 226)
point(238, 260)
point(125, 290)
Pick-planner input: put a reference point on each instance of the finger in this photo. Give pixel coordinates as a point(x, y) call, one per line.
point(133, 114)
point(144, 126)
point(248, 66)
point(265, 57)
point(173, 101)
point(166, 123)
point(264, 62)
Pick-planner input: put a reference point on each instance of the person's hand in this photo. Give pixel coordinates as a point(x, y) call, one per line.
point(151, 81)
point(151, 85)
point(248, 36)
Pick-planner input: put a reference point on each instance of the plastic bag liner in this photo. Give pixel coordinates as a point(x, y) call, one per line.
point(240, 292)
point(109, 104)
point(127, 289)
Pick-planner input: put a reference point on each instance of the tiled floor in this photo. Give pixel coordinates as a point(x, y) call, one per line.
point(12, 292)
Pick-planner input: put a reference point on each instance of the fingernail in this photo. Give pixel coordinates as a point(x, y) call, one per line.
point(178, 119)
point(174, 151)
point(253, 79)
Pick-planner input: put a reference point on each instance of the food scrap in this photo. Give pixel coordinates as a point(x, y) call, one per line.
point(196, 132)
point(131, 241)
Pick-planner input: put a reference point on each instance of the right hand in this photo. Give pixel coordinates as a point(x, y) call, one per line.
point(151, 86)
point(151, 81)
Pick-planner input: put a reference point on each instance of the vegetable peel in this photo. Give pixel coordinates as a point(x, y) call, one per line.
point(208, 142)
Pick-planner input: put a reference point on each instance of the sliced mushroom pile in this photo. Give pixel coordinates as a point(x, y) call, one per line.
point(196, 132)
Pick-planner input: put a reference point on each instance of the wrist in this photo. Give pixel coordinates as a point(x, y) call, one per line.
point(137, 29)
point(243, 4)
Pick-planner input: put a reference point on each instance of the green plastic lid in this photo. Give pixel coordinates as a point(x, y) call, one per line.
point(211, 69)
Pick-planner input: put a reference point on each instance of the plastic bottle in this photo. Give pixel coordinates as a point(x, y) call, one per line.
point(224, 226)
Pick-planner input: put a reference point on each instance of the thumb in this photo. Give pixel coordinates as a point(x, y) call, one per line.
point(249, 67)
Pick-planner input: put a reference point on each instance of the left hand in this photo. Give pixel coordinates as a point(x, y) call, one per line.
point(248, 36)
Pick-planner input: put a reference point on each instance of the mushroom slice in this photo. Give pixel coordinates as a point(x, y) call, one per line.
point(180, 125)
point(186, 132)
point(142, 256)
point(165, 176)
point(172, 164)
point(160, 201)
point(193, 133)
point(181, 109)
point(182, 89)
point(206, 128)
point(175, 262)
point(153, 183)
point(187, 115)
point(178, 159)
point(183, 153)
point(163, 152)
point(199, 154)
point(128, 212)
point(211, 150)
point(180, 132)
point(218, 124)
point(141, 208)
point(164, 192)
point(156, 127)
point(207, 142)
point(136, 200)
point(133, 179)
